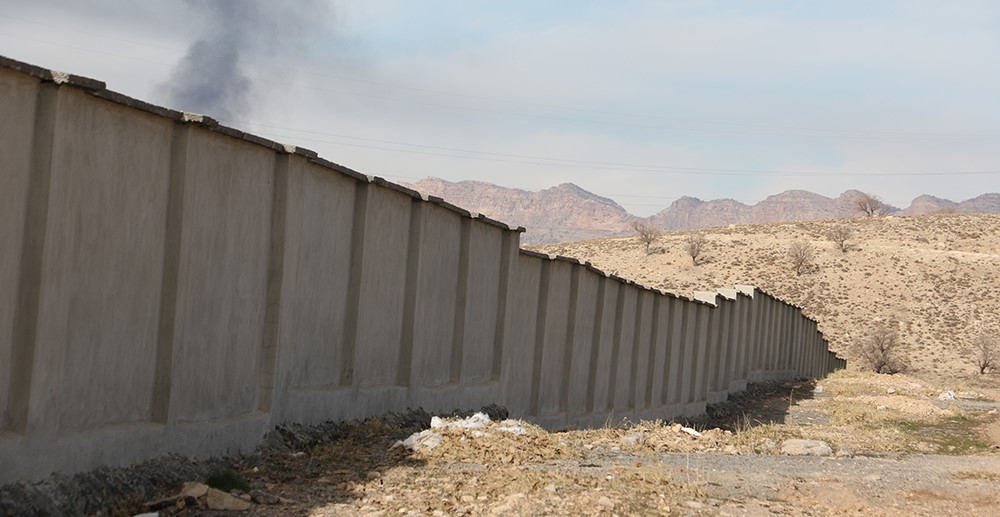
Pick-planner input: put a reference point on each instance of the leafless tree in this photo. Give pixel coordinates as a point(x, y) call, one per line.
point(695, 246)
point(985, 353)
point(802, 254)
point(647, 233)
point(880, 352)
point(839, 235)
point(869, 204)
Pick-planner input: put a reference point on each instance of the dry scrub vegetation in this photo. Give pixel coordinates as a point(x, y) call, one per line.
point(935, 280)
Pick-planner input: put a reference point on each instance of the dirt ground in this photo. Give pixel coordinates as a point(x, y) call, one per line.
point(727, 463)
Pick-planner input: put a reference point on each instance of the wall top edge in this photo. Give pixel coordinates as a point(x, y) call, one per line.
point(609, 276)
point(52, 76)
point(99, 89)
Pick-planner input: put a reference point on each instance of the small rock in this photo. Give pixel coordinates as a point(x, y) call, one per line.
point(634, 439)
point(947, 395)
point(551, 488)
point(194, 489)
point(147, 514)
point(967, 395)
point(881, 407)
point(219, 500)
point(468, 498)
point(818, 389)
point(694, 505)
point(730, 449)
point(768, 444)
point(797, 447)
point(605, 502)
point(890, 391)
point(845, 453)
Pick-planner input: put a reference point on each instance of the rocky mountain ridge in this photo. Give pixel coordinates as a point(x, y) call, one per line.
point(567, 212)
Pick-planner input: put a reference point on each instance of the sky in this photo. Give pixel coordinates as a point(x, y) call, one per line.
point(639, 101)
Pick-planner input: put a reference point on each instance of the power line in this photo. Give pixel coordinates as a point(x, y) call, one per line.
point(816, 132)
point(620, 167)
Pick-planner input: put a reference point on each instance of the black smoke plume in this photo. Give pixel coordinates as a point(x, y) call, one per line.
point(213, 78)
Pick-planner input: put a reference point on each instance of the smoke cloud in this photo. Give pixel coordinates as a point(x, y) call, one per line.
point(213, 77)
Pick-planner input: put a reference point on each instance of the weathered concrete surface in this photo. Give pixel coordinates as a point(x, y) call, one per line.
point(171, 285)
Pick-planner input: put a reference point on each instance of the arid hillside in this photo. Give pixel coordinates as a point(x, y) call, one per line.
point(933, 279)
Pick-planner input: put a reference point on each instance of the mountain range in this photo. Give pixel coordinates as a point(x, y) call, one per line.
point(566, 212)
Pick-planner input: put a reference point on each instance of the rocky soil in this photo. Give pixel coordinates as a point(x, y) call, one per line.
point(842, 446)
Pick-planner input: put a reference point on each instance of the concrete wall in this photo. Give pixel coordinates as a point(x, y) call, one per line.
point(171, 285)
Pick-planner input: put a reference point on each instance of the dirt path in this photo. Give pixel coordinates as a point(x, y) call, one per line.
point(908, 485)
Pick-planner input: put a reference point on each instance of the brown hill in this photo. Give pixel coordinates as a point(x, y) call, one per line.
point(567, 213)
point(558, 214)
point(792, 205)
point(935, 279)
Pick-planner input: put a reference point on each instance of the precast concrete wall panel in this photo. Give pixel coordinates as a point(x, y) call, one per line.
point(519, 341)
point(18, 93)
point(482, 298)
point(658, 332)
point(382, 289)
point(702, 343)
point(224, 250)
point(604, 333)
point(640, 360)
point(437, 284)
point(581, 378)
point(681, 339)
point(104, 250)
point(624, 341)
point(661, 362)
point(556, 306)
point(317, 259)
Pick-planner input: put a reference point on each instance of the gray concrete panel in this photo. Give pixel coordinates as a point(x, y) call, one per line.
point(703, 344)
point(383, 277)
point(519, 341)
point(580, 380)
point(688, 354)
point(17, 104)
point(481, 303)
point(624, 341)
point(225, 245)
point(640, 362)
point(318, 230)
point(681, 313)
point(604, 333)
point(436, 296)
point(103, 264)
point(553, 366)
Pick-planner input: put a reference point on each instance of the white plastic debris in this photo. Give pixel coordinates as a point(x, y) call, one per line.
point(690, 431)
point(423, 441)
point(477, 421)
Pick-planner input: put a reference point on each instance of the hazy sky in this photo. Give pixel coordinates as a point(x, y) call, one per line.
point(640, 101)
